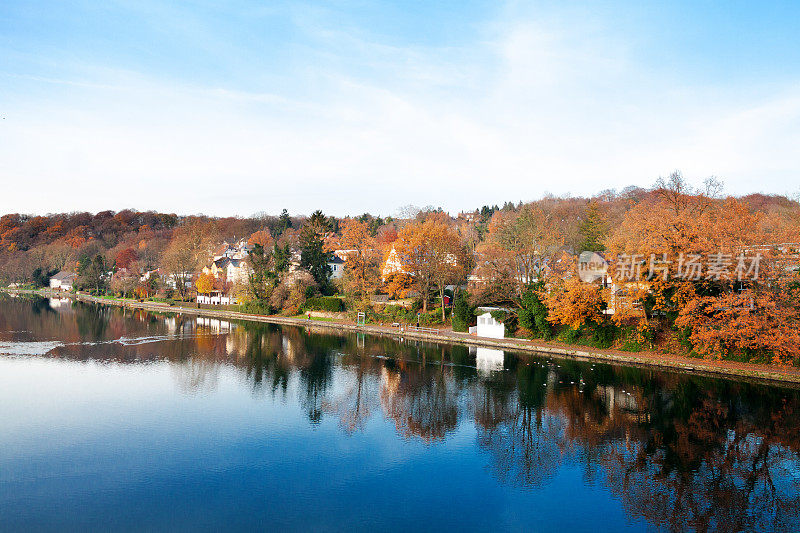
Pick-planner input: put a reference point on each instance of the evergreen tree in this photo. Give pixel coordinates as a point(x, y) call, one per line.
point(92, 272)
point(281, 257)
point(263, 277)
point(284, 222)
point(313, 256)
point(593, 228)
point(41, 278)
point(463, 313)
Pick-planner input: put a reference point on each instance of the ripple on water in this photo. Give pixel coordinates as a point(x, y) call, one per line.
point(27, 348)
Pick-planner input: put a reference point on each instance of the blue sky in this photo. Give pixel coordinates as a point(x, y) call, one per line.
point(237, 107)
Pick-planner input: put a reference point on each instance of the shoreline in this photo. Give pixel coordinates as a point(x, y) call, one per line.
point(675, 363)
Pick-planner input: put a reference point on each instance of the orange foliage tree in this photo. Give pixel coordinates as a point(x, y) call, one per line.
point(430, 253)
point(125, 258)
point(361, 267)
point(575, 304)
point(760, 323)
point(397, 284)
point(262, 237)
point(205, 283)
point(513, 253)
point(724, 315)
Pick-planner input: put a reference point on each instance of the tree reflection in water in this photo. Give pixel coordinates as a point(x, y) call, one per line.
point(357, 402)
point(195, 375)
point(263, 361)
point(525, 442)
point(683, 452)
point(420, 399)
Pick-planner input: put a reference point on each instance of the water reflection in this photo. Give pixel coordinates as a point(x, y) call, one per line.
point(487, 360)
point(678, 451)
point(195, 375)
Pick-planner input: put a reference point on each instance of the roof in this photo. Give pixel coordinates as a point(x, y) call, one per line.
point(490, 309)
point(64, 276)
point(335, 260)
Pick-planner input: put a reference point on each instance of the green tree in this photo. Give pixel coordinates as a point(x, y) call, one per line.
point(533, 313)
point(92, 272)
point(41, 278)
point(593, 228)
point(284, 222)
point(463, 313)
point(313, 256)
point(281, 256)
point(264, 276)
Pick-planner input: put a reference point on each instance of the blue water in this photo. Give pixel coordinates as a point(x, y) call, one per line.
point(113, 420)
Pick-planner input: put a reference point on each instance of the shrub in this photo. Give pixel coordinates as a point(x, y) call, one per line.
point(257, 307)
point(533, 314)
point(603, 335)
point(398, 313)
point(463, 313)
point(431, 318)
point(570, 335)
point(331, 304)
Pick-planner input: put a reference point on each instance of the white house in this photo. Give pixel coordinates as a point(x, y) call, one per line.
point(392, 265)
point(344, 254)
point(239, 250)
point(336, 265)
point(488, 326)
point(230, 269)
point(63, 281)
point(171, 283)
point(215, 298)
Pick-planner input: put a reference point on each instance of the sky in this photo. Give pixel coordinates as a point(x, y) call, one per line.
point(233, 108)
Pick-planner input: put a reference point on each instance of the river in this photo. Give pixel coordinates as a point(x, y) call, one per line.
point(128, 420)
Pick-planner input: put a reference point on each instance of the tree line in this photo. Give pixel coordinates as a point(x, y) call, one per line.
point(519, 257)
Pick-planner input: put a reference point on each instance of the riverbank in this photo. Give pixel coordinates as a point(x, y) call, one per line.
point(728, 369)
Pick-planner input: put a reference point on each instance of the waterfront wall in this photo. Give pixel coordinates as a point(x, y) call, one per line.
point(745, 371)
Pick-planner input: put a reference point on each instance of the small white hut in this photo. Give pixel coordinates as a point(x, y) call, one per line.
point(489, 326)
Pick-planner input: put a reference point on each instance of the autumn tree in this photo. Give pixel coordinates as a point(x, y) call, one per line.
point(575, 304)
point(204, 284)
point(124, 282)
point(125, 258)
point(517, 246)
point(449, 258)
point(147, 286)
point(191, 247)
point(262, 238)
point(760, 323)
point(361, 267)
point(724, 313)
point(292, 291)
point(429, 252)
point(398, 284)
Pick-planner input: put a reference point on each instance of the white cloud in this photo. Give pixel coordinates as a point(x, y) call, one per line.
point(532, 106)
